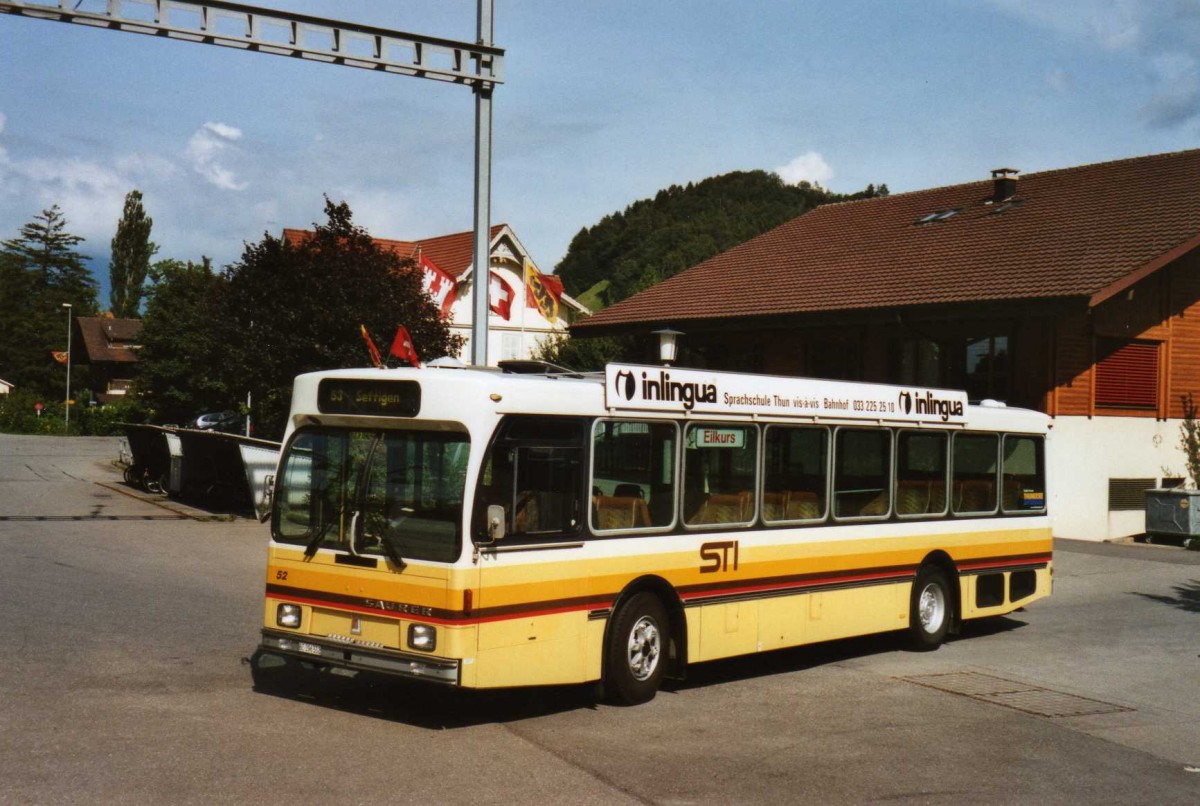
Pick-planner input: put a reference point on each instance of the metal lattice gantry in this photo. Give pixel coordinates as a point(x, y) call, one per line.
point(478, 65)
point(280, 33)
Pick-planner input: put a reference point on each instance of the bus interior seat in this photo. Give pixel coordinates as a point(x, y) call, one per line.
point(913, 497)
point(802, 505)
point(877, 505)
point(975, 495)
point(527, 516)
point(725, 508)
point(615, 512)
point(1011, 494)
point(774, 506)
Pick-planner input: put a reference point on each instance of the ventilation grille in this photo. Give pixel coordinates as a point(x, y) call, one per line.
point(1128, 494)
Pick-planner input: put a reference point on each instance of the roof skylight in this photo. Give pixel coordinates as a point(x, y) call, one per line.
point(940, 215)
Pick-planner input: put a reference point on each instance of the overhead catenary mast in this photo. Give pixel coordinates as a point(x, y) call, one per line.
point(478, 65)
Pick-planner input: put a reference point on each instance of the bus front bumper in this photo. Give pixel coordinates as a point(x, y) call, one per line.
point(324, 652)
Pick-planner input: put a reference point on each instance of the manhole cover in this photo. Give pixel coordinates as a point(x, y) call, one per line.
point(1012, 694)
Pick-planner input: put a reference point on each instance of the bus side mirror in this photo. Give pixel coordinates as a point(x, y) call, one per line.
point(495, 521)
point(268, 497)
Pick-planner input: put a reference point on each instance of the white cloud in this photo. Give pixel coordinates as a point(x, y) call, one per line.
point(810, 167)
point(1163, 35)
point(208, 148)
point(1111, 24)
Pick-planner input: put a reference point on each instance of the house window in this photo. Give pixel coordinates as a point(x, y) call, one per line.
point(917, 362)
point(1126, 374)
point(986, 371)
point(833, 359)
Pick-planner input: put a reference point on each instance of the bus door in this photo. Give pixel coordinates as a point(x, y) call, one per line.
point(531, 580)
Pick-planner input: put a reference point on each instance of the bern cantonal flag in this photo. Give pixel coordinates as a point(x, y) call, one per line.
point(500, 295)
point(402, 347)
point(542, 291)
point(438, 285)
point(371, 348)
point(59, 356)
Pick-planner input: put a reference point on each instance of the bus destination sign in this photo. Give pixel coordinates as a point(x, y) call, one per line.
point(642, 388)
point(368, 397)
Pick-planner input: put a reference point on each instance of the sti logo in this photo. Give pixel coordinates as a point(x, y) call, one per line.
point(626, 385)
point(906, 402)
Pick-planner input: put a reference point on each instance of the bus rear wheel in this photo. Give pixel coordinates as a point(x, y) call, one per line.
point(635, 656)
point(930, 609)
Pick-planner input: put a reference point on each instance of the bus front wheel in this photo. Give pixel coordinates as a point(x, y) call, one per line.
point(929, 609)
point(635, 656)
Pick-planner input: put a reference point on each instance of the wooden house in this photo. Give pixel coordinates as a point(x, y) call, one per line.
point(1075, 292)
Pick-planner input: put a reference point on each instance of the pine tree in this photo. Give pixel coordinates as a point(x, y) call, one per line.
point(48, 252)
point(131, 254)
point(39, 271)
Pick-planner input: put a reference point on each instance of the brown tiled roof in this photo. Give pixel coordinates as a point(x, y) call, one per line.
point(1088, 231)
point(109, 340)
point(450, 253)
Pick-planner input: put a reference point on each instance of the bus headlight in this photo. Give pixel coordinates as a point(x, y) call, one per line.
point(288, 615)
point(422, 637)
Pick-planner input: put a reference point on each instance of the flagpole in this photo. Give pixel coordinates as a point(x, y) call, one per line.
point(524, 305)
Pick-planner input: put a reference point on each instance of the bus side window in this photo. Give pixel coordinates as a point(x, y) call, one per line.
point(720, 474)
point(921, 473)
point(1024, 474)
point(795, 473)
point(862, 464)
point(534, 471)
point(973, 489)
point(633, 474)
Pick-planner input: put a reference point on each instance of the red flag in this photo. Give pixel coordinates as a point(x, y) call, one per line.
point(438, 285)
point(59, 356)
point(402, 347)
point(371, 348)
point(500, 295)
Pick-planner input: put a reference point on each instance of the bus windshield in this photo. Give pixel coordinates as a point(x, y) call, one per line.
point(397, 494)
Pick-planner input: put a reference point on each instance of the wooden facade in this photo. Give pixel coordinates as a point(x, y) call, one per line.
point(1052, 347)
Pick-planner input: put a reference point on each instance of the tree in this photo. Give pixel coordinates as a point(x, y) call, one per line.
point(47, 250)
point(39, 271)
point(130, 262)
point(653, 239)
point(586, 355)
point(298, 307)
point(186, 346)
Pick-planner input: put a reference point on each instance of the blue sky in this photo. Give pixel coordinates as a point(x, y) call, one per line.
point(604, 103)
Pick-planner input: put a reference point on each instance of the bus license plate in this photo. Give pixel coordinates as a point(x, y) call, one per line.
point(308, 649)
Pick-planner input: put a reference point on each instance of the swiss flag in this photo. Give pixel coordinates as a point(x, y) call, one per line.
point(500, 295)
point(402, 347)
point(438, 285)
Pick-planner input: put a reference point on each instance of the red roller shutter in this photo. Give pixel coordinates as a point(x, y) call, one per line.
point(1127, 374)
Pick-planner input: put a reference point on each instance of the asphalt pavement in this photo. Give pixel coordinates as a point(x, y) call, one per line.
point(125, 619)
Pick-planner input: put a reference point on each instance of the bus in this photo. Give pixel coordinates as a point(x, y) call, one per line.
point(482, 528)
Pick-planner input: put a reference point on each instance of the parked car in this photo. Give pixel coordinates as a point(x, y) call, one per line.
point(229, 422)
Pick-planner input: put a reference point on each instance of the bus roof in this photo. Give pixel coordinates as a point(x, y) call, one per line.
point(631, 390)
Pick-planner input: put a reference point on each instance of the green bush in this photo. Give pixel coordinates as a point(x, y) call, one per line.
point(103, 421)
point(18, 414)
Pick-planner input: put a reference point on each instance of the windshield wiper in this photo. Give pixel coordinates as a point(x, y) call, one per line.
point(393, 553)
point(311, 548)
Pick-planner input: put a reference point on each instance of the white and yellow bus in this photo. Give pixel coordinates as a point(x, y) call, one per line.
point(486, 529)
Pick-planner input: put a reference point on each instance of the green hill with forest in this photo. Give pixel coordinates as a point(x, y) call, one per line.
point(653, 239)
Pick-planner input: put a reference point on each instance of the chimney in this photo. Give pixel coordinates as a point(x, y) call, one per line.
point(1004, 184)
